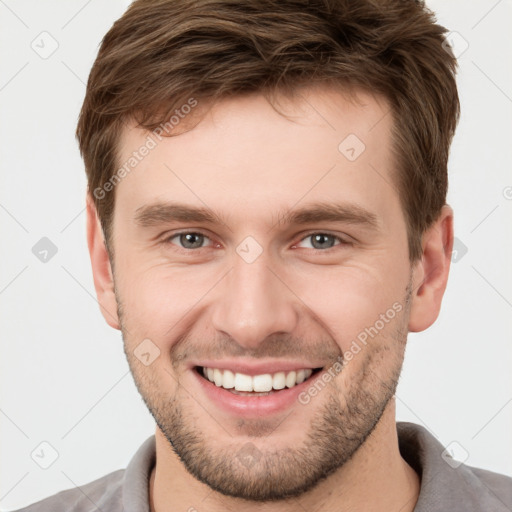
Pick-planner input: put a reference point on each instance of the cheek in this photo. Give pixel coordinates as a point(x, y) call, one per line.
point(355, 304)
point(159, 299)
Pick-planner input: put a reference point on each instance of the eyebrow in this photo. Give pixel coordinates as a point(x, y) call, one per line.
point(330, 212)
point(162, 213)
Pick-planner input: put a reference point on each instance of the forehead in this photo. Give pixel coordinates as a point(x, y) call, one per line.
point(243, 155)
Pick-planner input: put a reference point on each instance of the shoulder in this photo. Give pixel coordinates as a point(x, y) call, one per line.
point(495, 485)
point(447, 484)
point(105, 493)
point(110, 492)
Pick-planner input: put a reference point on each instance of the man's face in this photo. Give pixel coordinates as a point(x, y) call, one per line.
point(257, 291)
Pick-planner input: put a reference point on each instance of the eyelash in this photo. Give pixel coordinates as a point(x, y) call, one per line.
point(342, 241)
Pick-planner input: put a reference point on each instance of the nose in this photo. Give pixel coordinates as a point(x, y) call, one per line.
point(253, 303)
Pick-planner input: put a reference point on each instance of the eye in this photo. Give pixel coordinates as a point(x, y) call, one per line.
point(192, 240)
point(188, 240)
point(322, 241)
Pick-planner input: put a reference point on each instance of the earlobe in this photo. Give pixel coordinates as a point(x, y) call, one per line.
point(430, 273)
point(101, 268)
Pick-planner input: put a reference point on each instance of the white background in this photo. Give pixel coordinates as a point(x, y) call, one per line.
point(64, 375)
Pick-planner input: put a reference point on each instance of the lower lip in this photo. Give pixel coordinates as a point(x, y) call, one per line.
point(253, 406)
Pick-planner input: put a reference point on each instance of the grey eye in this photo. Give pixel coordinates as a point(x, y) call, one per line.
point(191, 240)
point(321, 240)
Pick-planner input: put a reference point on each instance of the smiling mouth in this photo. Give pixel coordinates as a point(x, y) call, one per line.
point(256, 385)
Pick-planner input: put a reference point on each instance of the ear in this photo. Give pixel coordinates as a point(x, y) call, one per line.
point(430, 273)
point(101, 269)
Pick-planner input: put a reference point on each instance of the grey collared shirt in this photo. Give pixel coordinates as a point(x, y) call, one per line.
point(446, 486)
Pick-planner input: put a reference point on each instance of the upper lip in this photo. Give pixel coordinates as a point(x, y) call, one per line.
point(260, 368)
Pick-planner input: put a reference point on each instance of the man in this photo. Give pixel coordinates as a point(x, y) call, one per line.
point(267, 220)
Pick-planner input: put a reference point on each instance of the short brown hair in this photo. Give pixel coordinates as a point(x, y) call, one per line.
point(161, 53)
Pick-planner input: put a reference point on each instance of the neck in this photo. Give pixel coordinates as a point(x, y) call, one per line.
point(376, 478)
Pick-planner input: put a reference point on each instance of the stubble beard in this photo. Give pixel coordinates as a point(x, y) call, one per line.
point(338, 428)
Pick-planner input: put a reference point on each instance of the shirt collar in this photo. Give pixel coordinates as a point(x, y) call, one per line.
point(445, 483)
point(136, 477)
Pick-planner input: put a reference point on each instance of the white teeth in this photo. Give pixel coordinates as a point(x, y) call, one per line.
point(262, 383)
point(259, 383)
point(217, 377)
point(279, 380)
point(291, 379)
point(243, 382)
point(228, 379)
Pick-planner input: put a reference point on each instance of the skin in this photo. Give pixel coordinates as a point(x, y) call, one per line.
point(248, 163)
